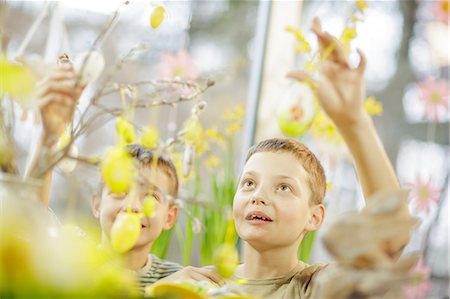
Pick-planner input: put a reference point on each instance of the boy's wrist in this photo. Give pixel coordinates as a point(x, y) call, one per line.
point(357, 126)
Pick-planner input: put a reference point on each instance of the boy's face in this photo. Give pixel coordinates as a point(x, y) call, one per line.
point(164, 217)
point(271, 206)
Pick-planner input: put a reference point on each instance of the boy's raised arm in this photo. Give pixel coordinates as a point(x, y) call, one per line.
point(341, 92)
point(57, 98)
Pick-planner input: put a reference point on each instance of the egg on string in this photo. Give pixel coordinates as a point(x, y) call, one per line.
point(297, 109)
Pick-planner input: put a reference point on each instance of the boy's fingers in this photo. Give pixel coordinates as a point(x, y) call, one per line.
point(362, 62)
point(297, 75)
point(329, 45)
point(209, 274)
point(62, 74)
point(59, 100)
point(66, 87)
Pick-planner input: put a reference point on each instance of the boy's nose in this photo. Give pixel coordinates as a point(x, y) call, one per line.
point(256, 200)
point(135, 205)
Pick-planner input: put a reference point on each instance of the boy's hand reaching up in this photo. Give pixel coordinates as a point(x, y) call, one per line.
point(340, 88)
point(57, 98)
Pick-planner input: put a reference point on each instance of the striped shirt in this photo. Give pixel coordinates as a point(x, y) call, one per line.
point(154, 270)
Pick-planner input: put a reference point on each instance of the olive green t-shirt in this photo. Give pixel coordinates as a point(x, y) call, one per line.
point(294, 285)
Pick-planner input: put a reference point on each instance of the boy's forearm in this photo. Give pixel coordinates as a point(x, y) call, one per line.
point(373, 167)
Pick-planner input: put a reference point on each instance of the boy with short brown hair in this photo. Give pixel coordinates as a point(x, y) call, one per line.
point(279, 196)
point(280, 192)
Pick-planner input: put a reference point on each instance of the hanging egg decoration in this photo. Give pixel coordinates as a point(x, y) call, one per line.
point(125, 231)
point(297, 109)
point(157, 16)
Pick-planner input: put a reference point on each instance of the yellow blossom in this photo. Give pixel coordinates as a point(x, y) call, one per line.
point(323, 127)
point(125, 131)
point(149, 137)
point(17, 81)
point(361, 5)
point(328, 185)
point(349, 33)
point(310, 66)
point(235, 118)
point(214, 134)
point(233, 128)
point(373, 107)
point(303, 45)
point(193, 130)
point(212, 162)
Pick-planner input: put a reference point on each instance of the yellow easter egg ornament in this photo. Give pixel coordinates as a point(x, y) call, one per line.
point(125, 231)
point(117, 170)
point(157, 16)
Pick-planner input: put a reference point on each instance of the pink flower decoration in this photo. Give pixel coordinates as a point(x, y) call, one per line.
point(441, 10)
point(434, 95)
point(424, 195)
point(419, 291)
point(179, 65)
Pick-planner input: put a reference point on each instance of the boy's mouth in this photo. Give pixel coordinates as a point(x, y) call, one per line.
point(258, 216)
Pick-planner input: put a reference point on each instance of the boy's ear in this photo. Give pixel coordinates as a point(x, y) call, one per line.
point(172, 214)
point(95, 205)
point(316, 217)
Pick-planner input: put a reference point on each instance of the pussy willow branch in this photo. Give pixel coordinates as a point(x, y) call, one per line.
point(79, 127)
point(50, 158)
point(101, 38)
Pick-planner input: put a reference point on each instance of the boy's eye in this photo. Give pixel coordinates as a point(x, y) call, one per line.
point(284, 188)
point(155, 196)
point(248, 184)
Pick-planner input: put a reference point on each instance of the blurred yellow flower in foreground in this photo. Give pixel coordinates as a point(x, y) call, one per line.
point(18, 82)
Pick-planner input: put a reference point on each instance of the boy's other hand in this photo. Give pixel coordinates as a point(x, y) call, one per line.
point(340, 88)
point(193, 273)
point(57, 97)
